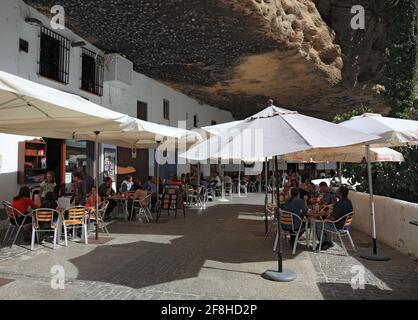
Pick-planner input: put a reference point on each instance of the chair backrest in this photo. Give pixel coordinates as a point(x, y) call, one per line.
point(287, 218)
point(76, 214)
point(348, 220)
point(103, 206)
point(271, 209)
point(42, 215)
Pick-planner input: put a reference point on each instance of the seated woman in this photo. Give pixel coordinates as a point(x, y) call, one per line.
point(297, 206)
point(23, 203)
point(285, 194)
point(91, 200)
point(140, 194)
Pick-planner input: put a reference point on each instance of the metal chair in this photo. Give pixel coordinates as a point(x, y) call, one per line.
point(251, 187)
point(228, 188)
point(138, 207)
point(44, 216)
point(99, 217)
point(343, 232)
point(77, 218)
point(13, 216)
point(244, 186)
point(286, 220)
point(271, 216)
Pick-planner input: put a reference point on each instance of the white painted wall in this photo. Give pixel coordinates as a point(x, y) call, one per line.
point(13, 27)
point(392, 221)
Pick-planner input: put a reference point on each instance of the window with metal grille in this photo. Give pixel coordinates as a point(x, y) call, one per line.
point(92, 72)
point(195, 121)
point(55, 56)
point(166, 109)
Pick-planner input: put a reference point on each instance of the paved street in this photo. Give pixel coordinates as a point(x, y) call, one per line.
point(218, 253)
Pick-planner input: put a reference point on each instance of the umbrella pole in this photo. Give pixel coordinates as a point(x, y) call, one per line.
point(96, 179)
point(340, 173)
point(280, 275)
point(374, 256)
point(223, 199)
point(239, 180)
point(266, 167)
point(273, 178)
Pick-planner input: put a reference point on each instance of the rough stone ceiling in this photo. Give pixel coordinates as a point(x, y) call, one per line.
point(235, 54)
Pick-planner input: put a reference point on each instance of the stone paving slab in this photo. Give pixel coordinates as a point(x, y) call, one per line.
point(213, 254)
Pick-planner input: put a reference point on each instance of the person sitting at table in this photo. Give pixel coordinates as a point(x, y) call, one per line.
point(106, 191)
point(327, 195)
point(140, 194)
point(285, 194)
point(49, 202)
point(297, 206)
point(48, 185)
point(91, 200)
point(127, 185)
point(203, 181)
point(23, 203)
point(341, 208)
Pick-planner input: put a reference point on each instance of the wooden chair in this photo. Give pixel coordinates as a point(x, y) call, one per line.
point(343, 232)
point(13, 215)
point(44, 216)
point(76, 219)
point(287, 220)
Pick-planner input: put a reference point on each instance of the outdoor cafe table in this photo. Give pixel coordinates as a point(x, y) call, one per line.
point(312, 219)
point(124, 200)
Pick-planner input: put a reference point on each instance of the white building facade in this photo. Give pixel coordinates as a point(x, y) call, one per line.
point(140, 96)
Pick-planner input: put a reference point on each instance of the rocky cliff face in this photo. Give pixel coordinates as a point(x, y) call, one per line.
point(235, 54)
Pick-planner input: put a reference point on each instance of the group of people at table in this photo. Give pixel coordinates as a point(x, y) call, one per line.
point(129, 190)
point(306, 200)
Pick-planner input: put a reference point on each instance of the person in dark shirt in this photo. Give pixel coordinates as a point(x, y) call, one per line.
point(297, 206)
point(341, 208)
point(79, 190)
point(106, 191)
point(49, 202)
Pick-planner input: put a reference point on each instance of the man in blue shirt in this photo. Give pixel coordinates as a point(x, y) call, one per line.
point(297, 206)
point(341, 208)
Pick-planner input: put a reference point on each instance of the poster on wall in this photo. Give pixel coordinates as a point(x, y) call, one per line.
point(109, 164)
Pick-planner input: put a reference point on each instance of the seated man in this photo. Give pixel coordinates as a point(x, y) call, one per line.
point(127, 185)
point(341, 208)
point(326, 193)
point(297, 206)
point(106, 191)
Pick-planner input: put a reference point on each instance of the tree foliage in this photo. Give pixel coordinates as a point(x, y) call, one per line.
point(401, 50)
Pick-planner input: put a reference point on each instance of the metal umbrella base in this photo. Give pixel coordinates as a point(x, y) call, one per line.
point(374, 257)
point(284, 276)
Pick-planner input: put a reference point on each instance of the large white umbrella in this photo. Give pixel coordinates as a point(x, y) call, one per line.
point(29, 108)
point(392, 132)
point(274, 132)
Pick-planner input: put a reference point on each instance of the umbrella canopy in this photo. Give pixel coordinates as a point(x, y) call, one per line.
point(275, 131)
point(29, 108)
point(392, 131)
point(351, 154)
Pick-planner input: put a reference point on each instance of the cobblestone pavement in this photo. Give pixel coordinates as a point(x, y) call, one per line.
point(217, 253)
